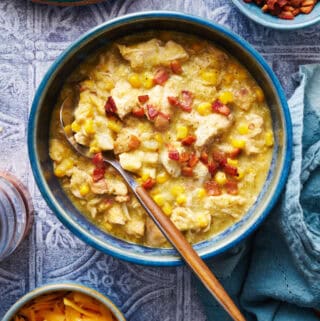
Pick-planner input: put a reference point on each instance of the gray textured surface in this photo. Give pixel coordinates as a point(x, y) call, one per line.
point(31, 36)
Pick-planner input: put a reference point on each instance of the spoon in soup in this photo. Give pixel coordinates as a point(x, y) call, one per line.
point(167, 227)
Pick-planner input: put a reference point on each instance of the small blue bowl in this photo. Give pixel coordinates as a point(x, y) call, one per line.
point(63, 287)
point(255, 13)
point(45, 98)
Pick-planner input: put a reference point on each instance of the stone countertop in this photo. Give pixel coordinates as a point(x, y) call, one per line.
point(31, 37)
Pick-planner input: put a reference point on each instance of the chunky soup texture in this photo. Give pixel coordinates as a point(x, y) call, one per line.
point(179, 113)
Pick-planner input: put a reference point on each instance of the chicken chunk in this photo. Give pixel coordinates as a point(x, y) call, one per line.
point(152, 53)
point(185, 219)
point(171, 166)
point(200, 171)
point(116, 186)
point(116, 215)
point(131, 161)
point(57, 150)
point(79, 178)
point(104, 140)
point(135, 227)
point(154, 236)
point(121, 144)
point(225, 204)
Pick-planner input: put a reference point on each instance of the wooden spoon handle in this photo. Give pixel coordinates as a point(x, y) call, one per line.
point(177, 239)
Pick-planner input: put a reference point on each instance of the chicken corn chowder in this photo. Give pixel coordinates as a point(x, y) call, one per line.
point(179, 113)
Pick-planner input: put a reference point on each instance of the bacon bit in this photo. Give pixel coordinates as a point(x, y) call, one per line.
point(187, 171)
point(143, 98)
point(193, 161)
point(138, 112)
point(97, 160)
point(232, 187)
point(230, 170)
point(161, 76)
point(174, 155)
point(176, 67)
point(187, 100)
point(212, 188)
point(220, 108)
point(213, 167)
point(98, 173)
point(174, 101)
point(134, 142)
point(189, 140)
point(184, 157)
point(219, 157)
point(161, 121)
point(110, 106)
point(149, 183)
point(152, 112)
point(204, 157)
point(234, 153)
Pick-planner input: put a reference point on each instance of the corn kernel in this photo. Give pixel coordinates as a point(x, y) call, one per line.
point(162, 178)
point(269, 139)
point(167, 208)
point(109, 84)
point(59, 172)
point(243, 129)
point(89, 127)
point(108, 226)
point(84, 189)
point(202, 221)
point(232, 162)
point(75, 127)
point(220, 178)
point(226, 97)
point(67, 164)
point(145, 176)
point(241, 173)
point(181, 199)
point(211, 77)
point(94, 149)
point(238, 143)
point(158, 138)
point(204, 109)
point(177, 190)
point(147, 82)
point(68, 130)
point(114, 126)
point(201, 192)
point(159, 199)
point(259, 95)
point(134, 80)
point(182, 132)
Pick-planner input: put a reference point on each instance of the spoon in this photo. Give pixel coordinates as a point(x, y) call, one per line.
point(170, 231)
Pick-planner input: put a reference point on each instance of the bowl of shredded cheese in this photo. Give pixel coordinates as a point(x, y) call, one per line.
point(64, 301)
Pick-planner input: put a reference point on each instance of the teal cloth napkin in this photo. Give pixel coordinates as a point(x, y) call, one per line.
point(275, 276)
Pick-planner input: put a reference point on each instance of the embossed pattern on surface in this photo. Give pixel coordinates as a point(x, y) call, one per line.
point(31, 37)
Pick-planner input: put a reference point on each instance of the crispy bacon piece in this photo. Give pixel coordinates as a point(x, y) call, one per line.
point(110, 106)
point(220, 108)
point(98, 173)
point(176, 67)
point(235, 153)
point(97, 160)
point(138, 112)
point(219, 157)
point(161, 77)
point(189, 140)
point(174, 154)
point(143, 98)
point(213, 167)
point(161, 121)
point(185, 103)
point(204, 157)
point(212, 188)
point(187, 171)
point(230, 170)
point(134, 142)
point(152, 112)
point(174, 101)
point(149, 183)
point(184, 157)
point(193, 161)
point(232, 187)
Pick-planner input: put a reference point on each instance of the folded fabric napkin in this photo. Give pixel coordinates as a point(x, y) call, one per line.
point(275, 276)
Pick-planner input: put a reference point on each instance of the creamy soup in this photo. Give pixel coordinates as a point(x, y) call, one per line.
point(184, 117)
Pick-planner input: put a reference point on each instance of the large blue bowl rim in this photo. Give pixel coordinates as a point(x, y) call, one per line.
point(62, 286)
point(176, 260)
point(254, 12)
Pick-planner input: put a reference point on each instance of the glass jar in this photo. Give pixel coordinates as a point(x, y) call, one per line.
point(16, 214)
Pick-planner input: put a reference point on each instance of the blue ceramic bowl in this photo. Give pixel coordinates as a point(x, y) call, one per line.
point(45, 98)
point(63, 287)
point(255, 13)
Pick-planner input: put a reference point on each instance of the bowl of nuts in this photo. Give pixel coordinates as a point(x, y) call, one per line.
point(281, 14)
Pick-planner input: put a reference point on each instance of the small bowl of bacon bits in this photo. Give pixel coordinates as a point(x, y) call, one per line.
point(63, 301)
point(281, 14)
